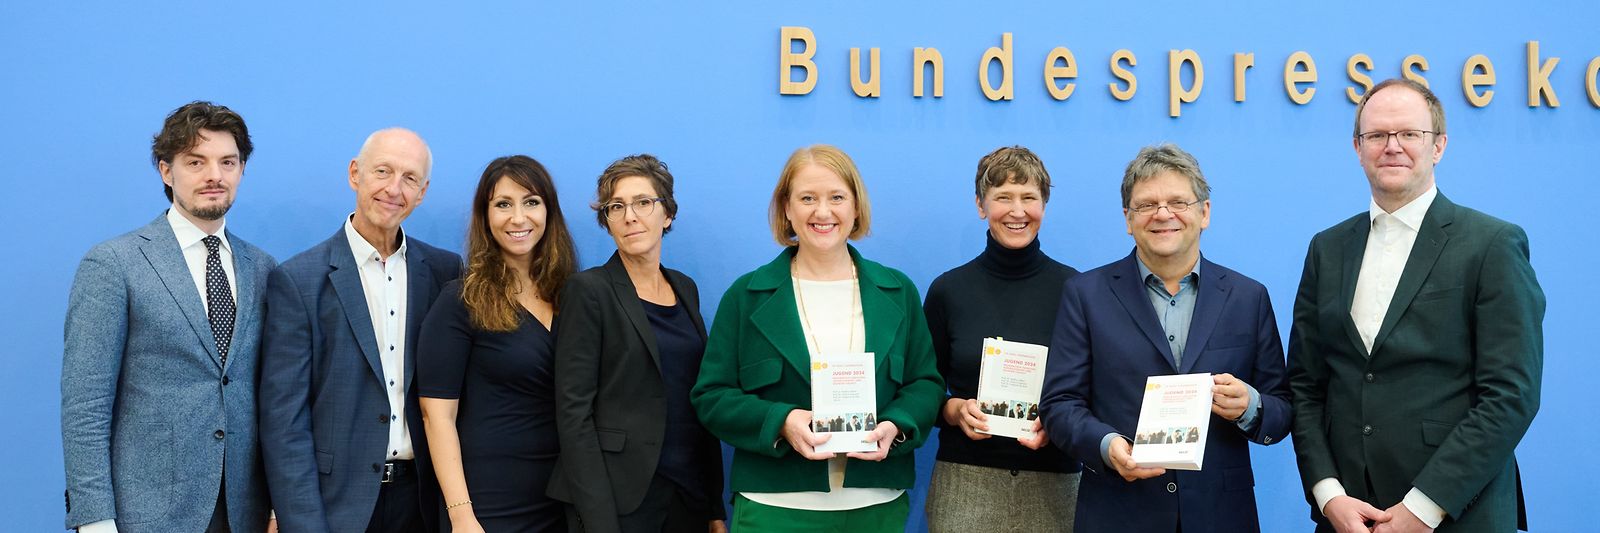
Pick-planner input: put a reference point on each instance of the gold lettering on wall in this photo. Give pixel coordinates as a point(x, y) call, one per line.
point(1117, 58)
point(1066, 71)
point(1478, 72)
point(1002, 54)
point(1412, 68)
point(1240, 63)
point(1176, 93)
point(871, 88)
point(1361, 78)
point(1539, 77)
point(1589, 82)
point(788, 60)
point(1300, 68)
point(927, 56)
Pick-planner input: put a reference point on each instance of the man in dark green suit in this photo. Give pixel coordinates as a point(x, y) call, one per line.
point(1417, 346)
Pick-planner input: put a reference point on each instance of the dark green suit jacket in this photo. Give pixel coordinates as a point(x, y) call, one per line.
point(757, 369)
point(1452, 380)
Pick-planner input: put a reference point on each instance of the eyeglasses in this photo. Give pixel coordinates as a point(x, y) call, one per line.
point(1375, 139)
point(1171, 207)
point(641, 207)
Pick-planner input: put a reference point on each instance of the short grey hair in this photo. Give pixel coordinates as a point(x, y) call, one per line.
point(1156, 159)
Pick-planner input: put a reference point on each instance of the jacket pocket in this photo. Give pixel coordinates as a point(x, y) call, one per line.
point(142, 471)
point(611, 440)
point(1225, 342)
point(324, 462)
point(760, 374)
point(1434, 433)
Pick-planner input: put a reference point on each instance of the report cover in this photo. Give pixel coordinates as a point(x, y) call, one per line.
point(1173, 421)
point(1010, 379)
point(844, 401)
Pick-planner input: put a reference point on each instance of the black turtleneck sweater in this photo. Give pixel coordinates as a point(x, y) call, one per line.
point(1013, 294)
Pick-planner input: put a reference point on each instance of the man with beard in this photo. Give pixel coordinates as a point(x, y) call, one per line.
point(158, 375)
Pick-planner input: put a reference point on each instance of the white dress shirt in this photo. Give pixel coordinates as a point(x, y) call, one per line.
point(383, 281)
point(1389, 243)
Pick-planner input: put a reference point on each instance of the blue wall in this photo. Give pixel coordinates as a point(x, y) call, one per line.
point(576, 87)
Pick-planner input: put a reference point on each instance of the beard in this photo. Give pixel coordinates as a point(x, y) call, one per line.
point(212, 212)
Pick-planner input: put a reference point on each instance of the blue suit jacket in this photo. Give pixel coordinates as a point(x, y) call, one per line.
point(148, 410)
point(1107, 341)
point(324, 413)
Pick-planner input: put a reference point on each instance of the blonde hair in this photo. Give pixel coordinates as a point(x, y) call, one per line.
point(828, 157)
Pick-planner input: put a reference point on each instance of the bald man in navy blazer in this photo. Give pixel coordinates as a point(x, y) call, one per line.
point(158, 398)
point(342, 433)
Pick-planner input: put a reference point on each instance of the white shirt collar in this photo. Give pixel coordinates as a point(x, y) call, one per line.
point(1410, 214)
point(189, 234)
point(365, 251)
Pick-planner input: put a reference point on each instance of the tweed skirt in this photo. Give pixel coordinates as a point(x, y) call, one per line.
point(964, 497)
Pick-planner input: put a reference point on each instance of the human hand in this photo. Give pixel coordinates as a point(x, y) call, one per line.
point(1229, 396)
point(964, 413)
point(797, 430)
point(718, 526)
point(272, 524)
point(884, 435)
point(1122, 460)
point(1039, 439)
point(1350, 515)
point(1402, 521)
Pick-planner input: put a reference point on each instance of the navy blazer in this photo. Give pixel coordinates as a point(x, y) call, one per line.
point(148, 410)
point(1107, 341)
point(324, 413)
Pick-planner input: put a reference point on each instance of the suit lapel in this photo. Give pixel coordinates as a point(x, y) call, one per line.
point(1211, 297)
point(1129, 290)
point(346, 280)
point(1431, 239)
point(1354, 249)
point(161, 250)
point(628, 300)
point(777, 318)
point(419, 298)
point(245, 265)
point(881, 316)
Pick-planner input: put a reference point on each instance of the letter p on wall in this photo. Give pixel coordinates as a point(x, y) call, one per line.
point(1177, 94)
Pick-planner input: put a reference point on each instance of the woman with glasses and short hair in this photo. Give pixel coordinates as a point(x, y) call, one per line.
point(818, 299)
point(633, 456)
point(1010, 291)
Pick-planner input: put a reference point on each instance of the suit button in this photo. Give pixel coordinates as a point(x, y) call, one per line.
point(376, 467)
point(225, 380)
point(1367, 430)
point(383, 419)
point(219, 434)
point(1371, 378)
point(1172, 487)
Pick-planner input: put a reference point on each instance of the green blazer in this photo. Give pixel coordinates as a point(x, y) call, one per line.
point(757, 369)
point(1452, 380)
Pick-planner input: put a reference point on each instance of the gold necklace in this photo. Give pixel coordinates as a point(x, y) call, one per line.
point(855, 300)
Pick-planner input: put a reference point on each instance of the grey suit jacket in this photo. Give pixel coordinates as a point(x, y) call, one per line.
point(150, 417)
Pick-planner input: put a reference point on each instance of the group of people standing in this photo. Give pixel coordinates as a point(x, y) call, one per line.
point(377, 383)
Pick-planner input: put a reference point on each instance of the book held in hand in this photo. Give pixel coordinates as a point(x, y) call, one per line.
point(1172, 422)
point(844, 401)
point(1010, 378)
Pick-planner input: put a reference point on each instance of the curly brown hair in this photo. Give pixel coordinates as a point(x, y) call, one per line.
point(488, 290)
point(181, 133)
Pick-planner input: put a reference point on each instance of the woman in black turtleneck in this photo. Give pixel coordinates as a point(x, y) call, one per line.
point(1012, 290)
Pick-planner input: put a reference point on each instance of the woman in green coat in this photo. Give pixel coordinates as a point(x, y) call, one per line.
point(818, 299)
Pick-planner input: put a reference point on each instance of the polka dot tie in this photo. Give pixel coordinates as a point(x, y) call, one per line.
point(219, 299)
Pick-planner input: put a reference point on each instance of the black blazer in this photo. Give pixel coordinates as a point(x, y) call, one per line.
point(609, 408)
point(1452, 380)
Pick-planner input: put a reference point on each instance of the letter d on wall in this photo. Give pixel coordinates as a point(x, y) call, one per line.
point(1003, 53)
point(787, 60)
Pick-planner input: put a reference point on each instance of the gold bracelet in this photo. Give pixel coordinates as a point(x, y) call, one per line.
point(457, 504)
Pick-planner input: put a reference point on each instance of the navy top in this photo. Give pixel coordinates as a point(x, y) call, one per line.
point(1013, 294)
point(506, 415)
point(679, 345)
